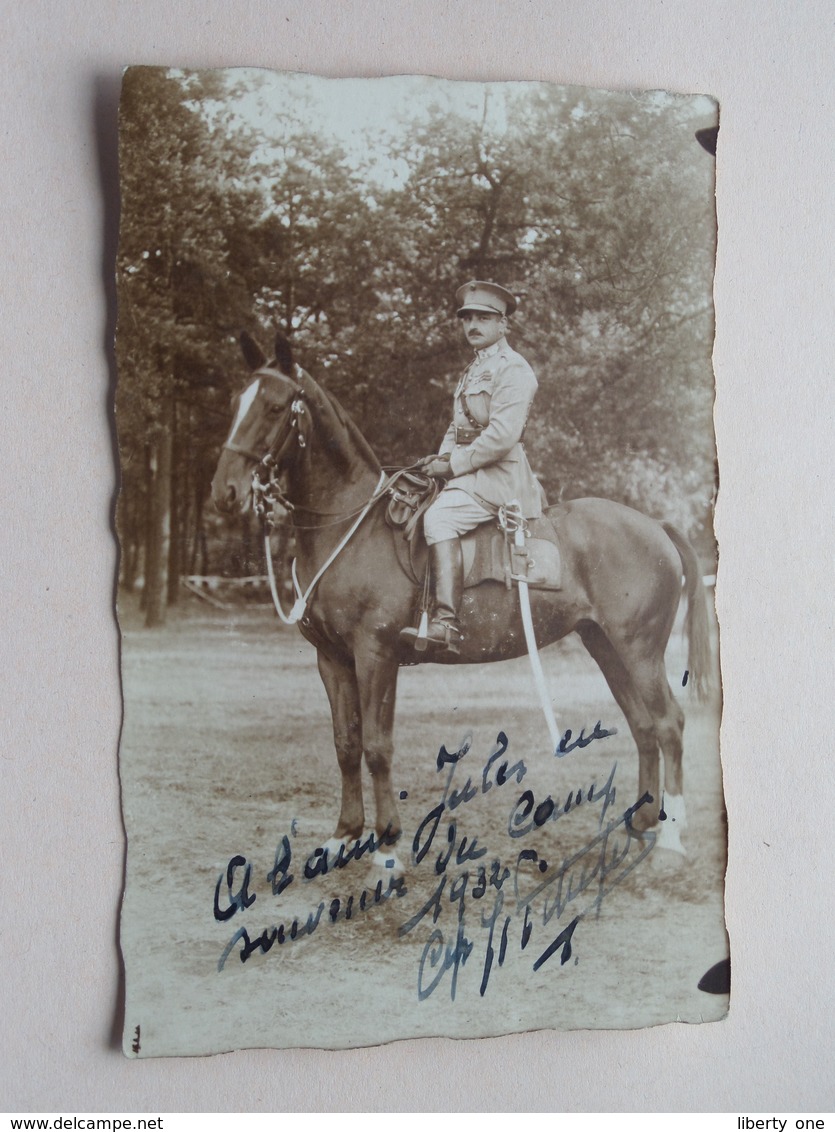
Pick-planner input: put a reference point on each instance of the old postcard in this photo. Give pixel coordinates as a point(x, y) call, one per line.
point(420, 660)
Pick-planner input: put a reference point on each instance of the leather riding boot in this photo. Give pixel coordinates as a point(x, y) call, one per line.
point(446, 564)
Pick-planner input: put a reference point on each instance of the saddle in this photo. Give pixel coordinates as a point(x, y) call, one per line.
point(490, 553)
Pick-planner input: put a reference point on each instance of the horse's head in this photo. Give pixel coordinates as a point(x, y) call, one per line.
point(268, 423)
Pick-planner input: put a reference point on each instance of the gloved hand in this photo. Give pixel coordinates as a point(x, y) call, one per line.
point(437, 466)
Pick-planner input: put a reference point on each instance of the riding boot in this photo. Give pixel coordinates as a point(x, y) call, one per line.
point(446, 563)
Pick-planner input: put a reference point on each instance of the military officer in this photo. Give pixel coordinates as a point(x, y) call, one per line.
point(481, 458)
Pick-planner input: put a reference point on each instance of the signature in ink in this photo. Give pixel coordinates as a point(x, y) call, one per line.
point(440, 957)
point(509, 915)
point(602, 863)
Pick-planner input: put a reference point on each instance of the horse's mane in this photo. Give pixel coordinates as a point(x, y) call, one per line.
point(341, 434)
point(340, 428)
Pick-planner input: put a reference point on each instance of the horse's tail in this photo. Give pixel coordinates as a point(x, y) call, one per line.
point(696, 622)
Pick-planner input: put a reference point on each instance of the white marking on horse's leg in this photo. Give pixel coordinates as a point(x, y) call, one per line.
point(387, 862)
point(332, 847)
point(675, 810)
point(247, 397)
point(669, 834)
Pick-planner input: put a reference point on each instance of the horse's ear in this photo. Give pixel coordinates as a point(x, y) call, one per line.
point(284, 354)
point(253, 354)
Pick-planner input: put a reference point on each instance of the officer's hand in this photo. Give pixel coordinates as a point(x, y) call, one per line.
point(438, 466)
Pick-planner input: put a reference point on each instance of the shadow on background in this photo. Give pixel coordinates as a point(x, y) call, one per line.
point(106, 90)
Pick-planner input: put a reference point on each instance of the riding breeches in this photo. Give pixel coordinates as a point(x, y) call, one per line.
point(452, 514)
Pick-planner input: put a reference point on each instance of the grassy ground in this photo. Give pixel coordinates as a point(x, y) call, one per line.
point(227, 750)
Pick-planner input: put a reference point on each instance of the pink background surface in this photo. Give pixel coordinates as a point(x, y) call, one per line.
point(770, 65)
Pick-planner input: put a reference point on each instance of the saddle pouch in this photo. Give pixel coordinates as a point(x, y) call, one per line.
point(409, 496)
point(401, 508)
point(538, 563)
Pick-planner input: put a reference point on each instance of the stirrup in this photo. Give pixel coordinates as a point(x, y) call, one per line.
point(441, 635)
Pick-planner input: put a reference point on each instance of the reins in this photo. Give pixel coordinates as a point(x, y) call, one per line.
point(263, 496)
point(300, 604)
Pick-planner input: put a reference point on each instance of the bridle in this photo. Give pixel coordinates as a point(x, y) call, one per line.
point(290, 418)
point(267, 492)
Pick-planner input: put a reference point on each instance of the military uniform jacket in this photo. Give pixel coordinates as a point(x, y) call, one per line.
point(497, 390)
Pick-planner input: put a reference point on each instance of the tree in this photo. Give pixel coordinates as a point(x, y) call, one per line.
point(174, 283)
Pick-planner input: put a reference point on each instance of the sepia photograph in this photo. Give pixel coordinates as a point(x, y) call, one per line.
point(419, 649)
point(417, 561)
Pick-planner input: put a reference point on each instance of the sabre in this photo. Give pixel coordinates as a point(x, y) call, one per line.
point(530, 640)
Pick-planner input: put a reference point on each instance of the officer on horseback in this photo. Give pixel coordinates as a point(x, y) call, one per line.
point(481, 458)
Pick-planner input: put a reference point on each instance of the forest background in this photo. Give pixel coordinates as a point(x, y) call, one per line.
point(346, 214)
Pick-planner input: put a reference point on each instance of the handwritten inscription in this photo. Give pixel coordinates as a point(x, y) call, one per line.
point(483, 905)
point(528, 814)
point(494, 773)
point(566, 745)
point(509, 906)
point(337, 909)
point(322, 860)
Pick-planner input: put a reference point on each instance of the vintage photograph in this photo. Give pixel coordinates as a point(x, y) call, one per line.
point(420, 659)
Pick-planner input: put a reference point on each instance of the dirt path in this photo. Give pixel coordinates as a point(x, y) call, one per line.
point(227, 750)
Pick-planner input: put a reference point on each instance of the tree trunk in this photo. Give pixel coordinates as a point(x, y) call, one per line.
point(198, 537)
point(130, 539)
point(177, 524)
point(159, 530)
point(147, 520)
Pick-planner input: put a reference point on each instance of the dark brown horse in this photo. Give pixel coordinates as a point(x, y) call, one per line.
point(620, 593)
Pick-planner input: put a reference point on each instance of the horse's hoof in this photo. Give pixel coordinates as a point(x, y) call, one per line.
point(669, 837)
point(664, 861)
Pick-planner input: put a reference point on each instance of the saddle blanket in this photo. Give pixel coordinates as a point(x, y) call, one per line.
point(487, 556)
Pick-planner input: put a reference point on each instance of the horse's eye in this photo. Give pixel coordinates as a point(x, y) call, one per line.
point(274, 410)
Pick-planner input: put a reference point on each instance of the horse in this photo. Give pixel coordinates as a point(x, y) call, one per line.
point(620, 591)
